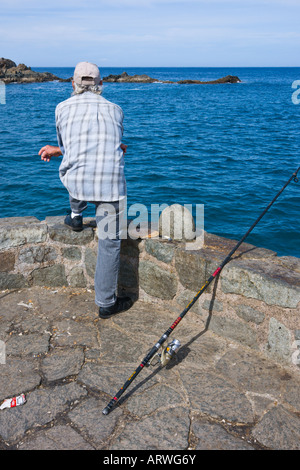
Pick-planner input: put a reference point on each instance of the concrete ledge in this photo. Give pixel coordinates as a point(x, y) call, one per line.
point(255, 301)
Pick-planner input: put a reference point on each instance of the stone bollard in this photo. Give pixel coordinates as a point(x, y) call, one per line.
point(176, 222)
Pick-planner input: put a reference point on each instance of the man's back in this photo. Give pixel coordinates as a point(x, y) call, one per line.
point(89, 130)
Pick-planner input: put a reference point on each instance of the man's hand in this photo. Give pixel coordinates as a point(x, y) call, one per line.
point(48, 152)
point(124, 148)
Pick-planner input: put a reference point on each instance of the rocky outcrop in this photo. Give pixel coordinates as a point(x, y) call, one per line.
point(125, 78)
point(227, 79)
point(11, 73)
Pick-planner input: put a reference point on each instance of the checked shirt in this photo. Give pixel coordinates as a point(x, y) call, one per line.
point(89, 133)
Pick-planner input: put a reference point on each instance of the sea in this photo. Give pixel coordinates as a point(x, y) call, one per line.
point(228, 148)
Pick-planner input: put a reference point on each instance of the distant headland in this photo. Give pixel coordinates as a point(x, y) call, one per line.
point(10, 72)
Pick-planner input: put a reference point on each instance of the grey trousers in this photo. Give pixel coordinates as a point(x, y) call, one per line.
point(109, 217)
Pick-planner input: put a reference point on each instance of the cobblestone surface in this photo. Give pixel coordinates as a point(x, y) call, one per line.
point(216, 394)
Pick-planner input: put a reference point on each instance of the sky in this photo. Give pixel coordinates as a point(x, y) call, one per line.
point(151, 33)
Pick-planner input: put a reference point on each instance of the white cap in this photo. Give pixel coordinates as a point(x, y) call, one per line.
point(86, 73)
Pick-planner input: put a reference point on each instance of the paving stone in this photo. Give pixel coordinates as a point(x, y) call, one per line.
point(119, 345)
point(278, 430)
point(74, 333)
point(251, 372)
point(109, 379)
point(88, 418)
point(216, 397)
point(212, 436)
point(30, 344)
point(57, 438)
point(212, 394)
point(160, 396)
point(42, 407)
point(18, 376)
point(234, 329)
point(204, 350)
point(61, 363)
point(291, 392)
point(165, 430)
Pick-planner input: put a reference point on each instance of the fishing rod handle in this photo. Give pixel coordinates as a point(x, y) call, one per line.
point(109, 406)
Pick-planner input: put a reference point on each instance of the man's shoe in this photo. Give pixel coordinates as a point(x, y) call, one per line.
point(121, 305)
point(75, 223)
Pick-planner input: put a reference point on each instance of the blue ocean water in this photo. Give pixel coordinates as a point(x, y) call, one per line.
point(230, 147)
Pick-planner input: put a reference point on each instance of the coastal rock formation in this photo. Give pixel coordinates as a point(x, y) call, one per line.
point(11, 73)
point(125, 78)
point(227, 79)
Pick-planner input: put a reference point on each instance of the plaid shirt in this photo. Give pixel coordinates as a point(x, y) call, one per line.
point(89, 132)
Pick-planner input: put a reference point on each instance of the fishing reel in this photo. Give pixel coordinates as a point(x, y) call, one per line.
point(166, 354)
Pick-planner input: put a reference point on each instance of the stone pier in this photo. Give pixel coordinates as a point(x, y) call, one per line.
point(233, 385)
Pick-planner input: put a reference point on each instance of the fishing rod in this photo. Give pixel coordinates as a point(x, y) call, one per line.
point(169, 352)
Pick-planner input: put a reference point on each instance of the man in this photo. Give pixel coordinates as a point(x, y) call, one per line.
point(89, 132)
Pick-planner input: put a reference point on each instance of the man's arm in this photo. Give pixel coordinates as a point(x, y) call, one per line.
point(48, 152)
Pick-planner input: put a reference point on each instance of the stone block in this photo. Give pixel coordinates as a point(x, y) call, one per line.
point(250, 314)
point(9, 221)
point(127, 275)
point(90, 260)
point(12, 281)
point(51, 276)
point(233, 329)
point(191, 269)
point(279, 341)
point(37, 254)
point(266, 281)
point(72, 253)
point(163, 251)
point(7, 261)
point(225, 245)
point(16, 235)
point(130, 247)
point(176, 222)
point(194, 267)
point(61, 233)
point(156, 281)
point(76, 277)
